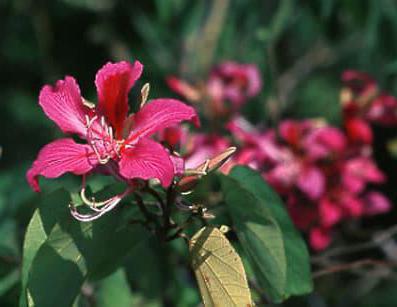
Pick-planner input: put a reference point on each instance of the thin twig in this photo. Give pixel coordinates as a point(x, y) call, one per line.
point(149, 217)
point(352, 266)
point(378, 239)
point(167, 209)
point(179, 229)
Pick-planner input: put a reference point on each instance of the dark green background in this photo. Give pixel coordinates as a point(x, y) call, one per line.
point(306, 44)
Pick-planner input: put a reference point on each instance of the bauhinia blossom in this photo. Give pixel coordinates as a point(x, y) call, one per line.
point(362, 99)
point(234, 82)
point(228, 87)
point(112, 140)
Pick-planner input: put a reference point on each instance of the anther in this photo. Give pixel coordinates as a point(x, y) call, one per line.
point(144, 94)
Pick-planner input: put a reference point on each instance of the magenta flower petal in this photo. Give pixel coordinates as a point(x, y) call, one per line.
point(60, 157)
point(113, 82)
point(311, 181)
point(353, 206)
point(320, 238)
point(324, 141)
point(255, 80)
point(359, 130)
point(359, 171)
point(352, 183)
point(332, 138)
point(179, 164)
point(235, 82)
point(64, 105)
point(147, 160)
point(376, 203)
point(160, 114)
point(329, 212)
point(383, 110)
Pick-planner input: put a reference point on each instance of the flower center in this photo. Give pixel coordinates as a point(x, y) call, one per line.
point(100, 137)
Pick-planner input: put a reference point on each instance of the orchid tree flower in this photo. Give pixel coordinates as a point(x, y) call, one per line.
point(234, 82)
point(228, 87)
point(110, 137)
point(363, 100)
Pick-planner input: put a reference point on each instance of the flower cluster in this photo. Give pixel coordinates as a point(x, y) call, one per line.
point(364, 103)
point(324, 173)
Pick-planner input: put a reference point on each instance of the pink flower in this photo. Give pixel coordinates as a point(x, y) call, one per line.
point(360, 83)
point(234, 82)
point(362, 99)
point(313, 138)
point(383, 110)
point(201, 147)
point(228, 87)
point(110, 136)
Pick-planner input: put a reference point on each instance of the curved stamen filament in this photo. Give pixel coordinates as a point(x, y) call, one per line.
point(97, 214)
point(91, 203)
point(98, 208)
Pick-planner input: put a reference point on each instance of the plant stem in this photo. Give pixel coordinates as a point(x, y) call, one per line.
point(148, 216)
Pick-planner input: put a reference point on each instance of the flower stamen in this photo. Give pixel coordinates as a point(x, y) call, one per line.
point(105, 206)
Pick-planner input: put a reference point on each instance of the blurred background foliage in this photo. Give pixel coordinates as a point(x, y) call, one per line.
point(301, 48)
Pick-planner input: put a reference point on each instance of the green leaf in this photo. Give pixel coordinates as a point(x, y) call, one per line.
point(148, 274)
point(274, 247)
point(9, 246)
point(114, 291)
point(219, 270)
point(37, 232)
point(9, 281)
point(73, 251)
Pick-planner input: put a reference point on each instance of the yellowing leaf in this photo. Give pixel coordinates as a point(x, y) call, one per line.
point(219, 271)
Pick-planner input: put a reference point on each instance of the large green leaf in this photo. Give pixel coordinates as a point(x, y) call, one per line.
point(148, 274)
point(274, 248)
point(219, 270)
point(60, 252)
point(38, 231)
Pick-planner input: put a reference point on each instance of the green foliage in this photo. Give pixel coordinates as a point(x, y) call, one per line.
point(148, 274)
point(74, 251)
point(115, 291)
point(274, 248)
